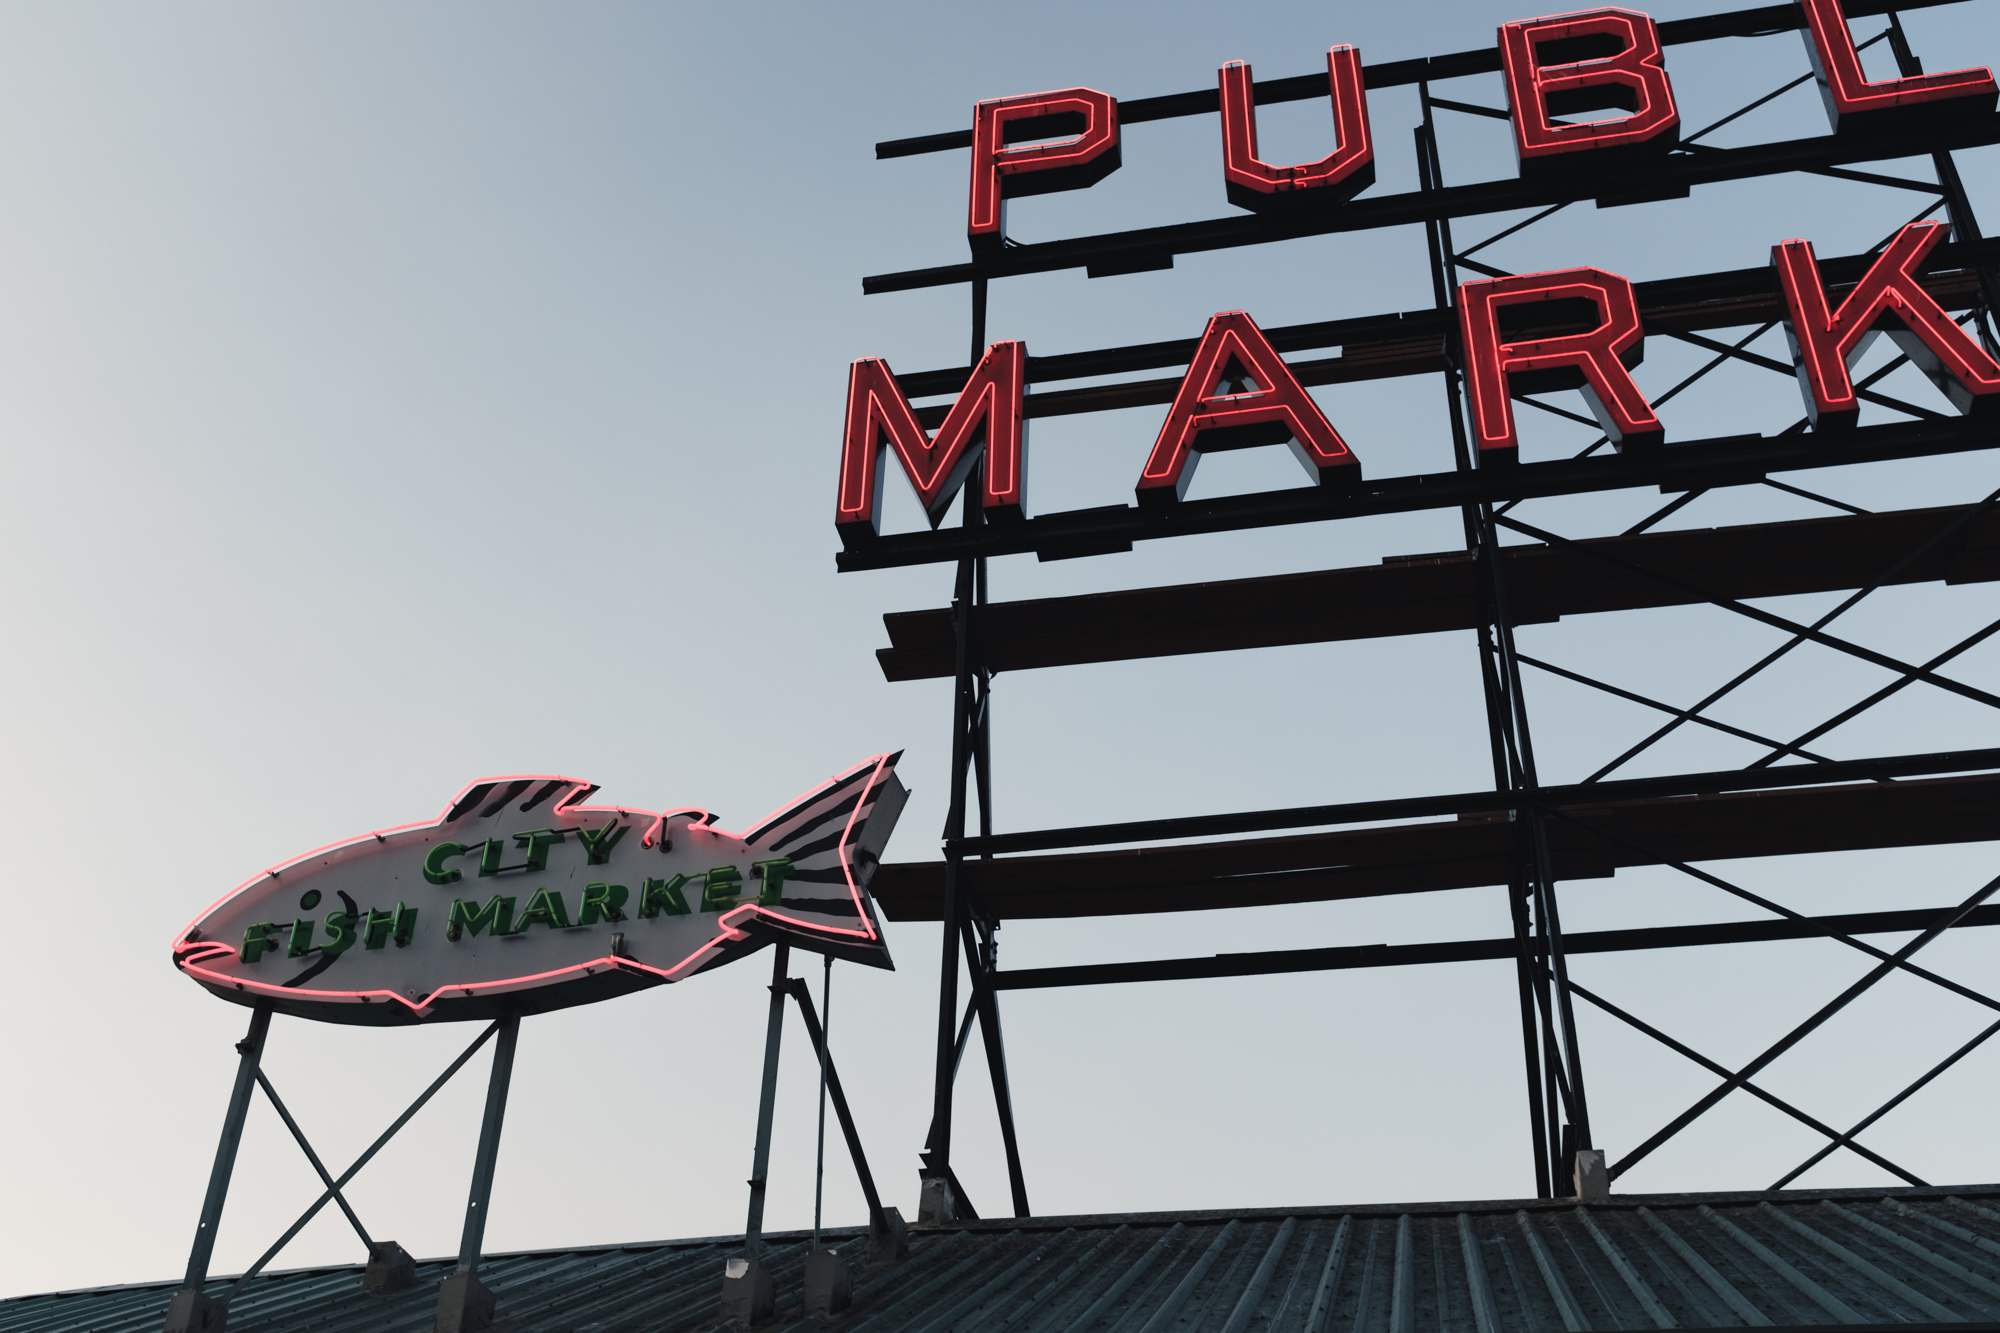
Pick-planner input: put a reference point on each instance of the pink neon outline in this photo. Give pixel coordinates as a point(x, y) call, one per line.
point(1839, 65)
point(1531, 80)
point(1828, 341)
point(187, 954)
point(1235, 333)
point(1004, 159)
point(1354, 146)
point(1494, 426)
point(879, 415)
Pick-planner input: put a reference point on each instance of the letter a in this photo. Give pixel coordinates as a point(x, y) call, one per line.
point(1216, 409)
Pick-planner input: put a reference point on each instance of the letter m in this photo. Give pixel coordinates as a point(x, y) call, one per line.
point(496, 918)
point(986, 418)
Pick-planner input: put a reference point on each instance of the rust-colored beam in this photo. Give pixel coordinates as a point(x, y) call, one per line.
point(1455, 853)
point(1432, 593)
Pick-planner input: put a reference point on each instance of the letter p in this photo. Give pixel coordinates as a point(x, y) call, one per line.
point(1004, 165)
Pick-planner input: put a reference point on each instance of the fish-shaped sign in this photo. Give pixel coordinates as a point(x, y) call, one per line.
point(520, 897)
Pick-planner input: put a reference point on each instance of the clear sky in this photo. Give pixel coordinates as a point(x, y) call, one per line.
point(396, 394)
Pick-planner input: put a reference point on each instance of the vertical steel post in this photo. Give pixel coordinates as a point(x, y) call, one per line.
point(1524, 780)
point(967, 746)
point(984, 955)
point(1958, 205)
point(760, 1159)
point(477, 1202)
point(1526, 968)
point(249, 1053)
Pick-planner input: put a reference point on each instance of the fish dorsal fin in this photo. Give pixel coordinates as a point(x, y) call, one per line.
point(522, 794)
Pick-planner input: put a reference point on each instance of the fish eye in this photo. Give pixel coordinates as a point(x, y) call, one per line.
point(309, 900)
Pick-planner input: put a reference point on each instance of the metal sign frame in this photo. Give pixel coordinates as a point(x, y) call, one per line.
point(1537, 834)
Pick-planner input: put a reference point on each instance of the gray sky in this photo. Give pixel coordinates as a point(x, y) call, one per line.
point(398, 394)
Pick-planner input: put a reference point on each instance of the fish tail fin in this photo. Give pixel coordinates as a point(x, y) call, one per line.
point(826, 845)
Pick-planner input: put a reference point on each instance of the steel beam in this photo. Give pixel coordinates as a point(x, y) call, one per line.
point(1353, 957)
point(1438, 593)
point(1462, 804)
point(1675, 174)
point(1722, 461)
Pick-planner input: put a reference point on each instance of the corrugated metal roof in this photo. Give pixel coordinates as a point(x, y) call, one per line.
point(1841, 1258)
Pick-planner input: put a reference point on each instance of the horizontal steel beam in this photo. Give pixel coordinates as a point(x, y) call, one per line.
point(1433, 593)
point(1145, 248)
point(1595, 836)
point(1487, 802)
point(1726, 461)
point(1756, 22)
point(1348, 957)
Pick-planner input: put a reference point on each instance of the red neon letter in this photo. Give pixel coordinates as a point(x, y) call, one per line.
point(985, 419)
point(1086, 157)
point(1826, 342)
point(1848, 91)
point(1597, 360)
point(1255, 183)
point(1271, 408)
point(1552, 70)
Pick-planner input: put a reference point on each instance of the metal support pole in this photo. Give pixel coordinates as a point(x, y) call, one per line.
point(941, 1194)
point(478, 1200)
point(464, 1305)
point(1439, 239)
point(760, 1160)
point(982, 957)
point(249, 1052)
point(1958, 206)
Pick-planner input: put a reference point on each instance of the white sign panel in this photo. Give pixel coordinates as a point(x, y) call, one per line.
point(522, 897)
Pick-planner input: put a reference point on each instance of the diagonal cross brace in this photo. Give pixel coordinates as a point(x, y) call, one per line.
point(797, 988)
point(1852, 711)
point(1793, 627)
point(1917, 1085)
point(1632, 696)
point(1938, 926)
point(1775, 908)
point(1838, 1140)
point(367, 1156)
point(1950, 531)
point(305, 1146)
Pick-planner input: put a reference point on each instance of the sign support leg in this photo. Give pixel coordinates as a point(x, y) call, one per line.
point(748, 1296)
point(941, 1199)
point(464, 1305)
point(192, 1311)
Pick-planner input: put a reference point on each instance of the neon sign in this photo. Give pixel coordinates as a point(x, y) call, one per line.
point(520, 897)
point(1588, 92)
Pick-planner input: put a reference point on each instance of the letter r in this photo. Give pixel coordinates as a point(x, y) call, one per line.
point(1596, 360)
